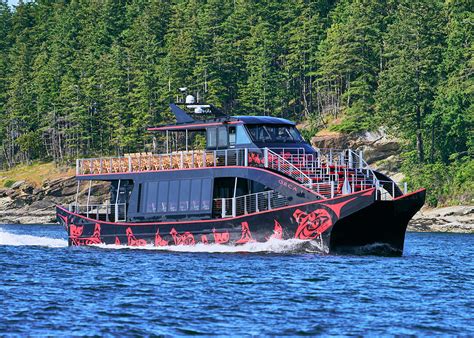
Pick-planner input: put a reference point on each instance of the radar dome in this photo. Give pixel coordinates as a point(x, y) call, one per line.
point(190, 99)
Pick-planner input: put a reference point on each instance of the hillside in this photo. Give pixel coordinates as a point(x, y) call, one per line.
point(81, 79)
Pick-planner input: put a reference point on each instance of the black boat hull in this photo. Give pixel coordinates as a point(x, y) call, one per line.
point(333, 224)
point(380, 227)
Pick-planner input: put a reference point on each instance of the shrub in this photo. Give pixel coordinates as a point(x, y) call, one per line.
point(8, 183)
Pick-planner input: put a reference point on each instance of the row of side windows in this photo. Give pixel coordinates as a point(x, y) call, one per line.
point(176, 196)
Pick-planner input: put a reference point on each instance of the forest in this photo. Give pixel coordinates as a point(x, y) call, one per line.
point(85, 78)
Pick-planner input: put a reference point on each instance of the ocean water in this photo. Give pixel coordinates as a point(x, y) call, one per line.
point(47, 288)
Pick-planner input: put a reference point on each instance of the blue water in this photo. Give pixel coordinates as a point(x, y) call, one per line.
point(47, 288)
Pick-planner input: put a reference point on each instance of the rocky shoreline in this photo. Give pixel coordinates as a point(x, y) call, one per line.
point(23, 203)
point(458, 219)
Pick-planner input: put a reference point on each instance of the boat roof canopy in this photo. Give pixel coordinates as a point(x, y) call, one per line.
point(263, 120)
point(186, 122)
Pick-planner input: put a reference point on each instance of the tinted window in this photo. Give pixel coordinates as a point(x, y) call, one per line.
point(184, 190)
point(274, 133)
point(242, 137)
point(163, 196)
point(211, 137)
point(232, 136)
point(222, 137)
point(206, 194)
point(173, 196)
point(195, 194)
point(151, 192)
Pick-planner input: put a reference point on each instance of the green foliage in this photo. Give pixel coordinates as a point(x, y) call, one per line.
point(8, 183)
point(445, 184)
point(407, 85)
point(81, 78)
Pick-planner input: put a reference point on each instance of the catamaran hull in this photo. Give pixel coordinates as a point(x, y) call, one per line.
point(380, 227)
point(313, 221)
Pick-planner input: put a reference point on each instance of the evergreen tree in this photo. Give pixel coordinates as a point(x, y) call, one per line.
point(260, 95)
point(350, 60)
point(453, 107)
point(407, 85)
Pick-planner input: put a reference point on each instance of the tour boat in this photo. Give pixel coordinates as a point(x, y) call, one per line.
point(232, 180)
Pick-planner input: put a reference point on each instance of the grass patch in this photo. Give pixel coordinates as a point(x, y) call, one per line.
point(35, 174)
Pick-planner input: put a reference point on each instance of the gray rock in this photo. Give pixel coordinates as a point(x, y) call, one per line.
point(17, 184)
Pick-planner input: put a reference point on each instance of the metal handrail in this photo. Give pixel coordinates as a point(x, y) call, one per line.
point(324, 168)
point(249, 204)
point(286, 167)
point(116, 212)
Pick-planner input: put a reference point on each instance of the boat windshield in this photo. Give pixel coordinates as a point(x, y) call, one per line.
point(274, 133)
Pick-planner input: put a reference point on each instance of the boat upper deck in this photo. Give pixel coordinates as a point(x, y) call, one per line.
point(329, 172)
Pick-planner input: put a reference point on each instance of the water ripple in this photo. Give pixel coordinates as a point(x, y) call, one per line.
point(48, 289)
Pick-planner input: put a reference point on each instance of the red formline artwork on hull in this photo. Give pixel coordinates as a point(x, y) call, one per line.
point(246, 234)
point(186, 238)
point(312, 225)
point(76, 233)
point(221, 237)
point(158, 240)
point(277, 231)
point(132, 240)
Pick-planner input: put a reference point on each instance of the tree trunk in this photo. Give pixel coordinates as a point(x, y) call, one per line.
point(419, 137)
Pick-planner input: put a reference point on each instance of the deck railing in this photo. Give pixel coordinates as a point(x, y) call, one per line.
point(248, 204)
point(345, 170)
point(114, 212)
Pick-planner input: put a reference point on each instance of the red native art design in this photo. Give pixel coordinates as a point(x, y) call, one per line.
point(64, 218)
point(76, 232)
point(182, 239)
point(132, 240)
point(158, 240)
point(277, 231)
point(221, 237)
point(313, 224)
point(204, 239)
point(337, 208)
point(117, 241)
point(246, 234)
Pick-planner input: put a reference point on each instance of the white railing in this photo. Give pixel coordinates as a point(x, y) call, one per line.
point(155, 162)
point(347, 170)
point(387, 190)
point(276, 162)
point(116, 212)
point(190, 159)
point(248, 204)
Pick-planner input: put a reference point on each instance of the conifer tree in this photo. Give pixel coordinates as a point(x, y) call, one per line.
point(454, 105)
point(407, 85)
point(350, 60)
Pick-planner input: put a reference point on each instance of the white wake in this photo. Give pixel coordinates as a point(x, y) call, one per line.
point(271, 246)
point(7, 238)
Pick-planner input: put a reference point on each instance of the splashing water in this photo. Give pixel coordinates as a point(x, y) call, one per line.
point(271, 246)
point(7, 238)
